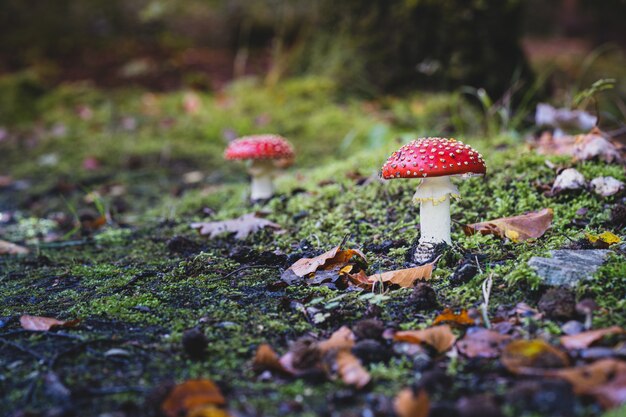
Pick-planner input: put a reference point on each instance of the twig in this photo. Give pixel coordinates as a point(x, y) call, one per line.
point(487, 284)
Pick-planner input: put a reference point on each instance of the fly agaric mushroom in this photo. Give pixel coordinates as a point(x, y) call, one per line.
point(266, 154)
point(434, 161)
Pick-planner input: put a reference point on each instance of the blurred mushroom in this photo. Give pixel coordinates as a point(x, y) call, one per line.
point(586, 307)
point(434, 161)
point(267, 154)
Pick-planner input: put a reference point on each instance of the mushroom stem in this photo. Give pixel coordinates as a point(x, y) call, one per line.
point(262, 183)
point(433, 195)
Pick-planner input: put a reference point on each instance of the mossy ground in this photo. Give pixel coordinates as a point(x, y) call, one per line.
point(134, 291)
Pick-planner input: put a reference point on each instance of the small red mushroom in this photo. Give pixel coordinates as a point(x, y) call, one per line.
point(434, 160)
point(266, 154)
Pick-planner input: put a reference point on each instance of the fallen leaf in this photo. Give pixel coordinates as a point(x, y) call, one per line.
point(192, 395)
point(594, 145)
point(606, 186)
point(518, 228)
point(327, 260)
point(8, 248)
point(532, 356)
point(341, 339)
point(407, 404)
point(208, 411)
point(548, 144)
point(242, 226)
point(403, 277)
point(440, 338)
point(448, 316)
point(350, 370)
point(605, 380)
point(603, 240)
point(43, 324)
point(266, 359)
point(569, 179)
point(482, 343)
point(585, 339)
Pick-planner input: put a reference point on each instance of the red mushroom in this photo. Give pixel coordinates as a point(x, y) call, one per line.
point(434, 160)
point(266, 153)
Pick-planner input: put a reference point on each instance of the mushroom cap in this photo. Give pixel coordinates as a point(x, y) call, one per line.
point(433, 157)
point(259, 147)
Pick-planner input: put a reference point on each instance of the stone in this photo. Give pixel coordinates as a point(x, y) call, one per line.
point(568, 267)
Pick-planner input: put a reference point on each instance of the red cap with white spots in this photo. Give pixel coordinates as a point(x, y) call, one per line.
point(433, 157)
point(259, 147)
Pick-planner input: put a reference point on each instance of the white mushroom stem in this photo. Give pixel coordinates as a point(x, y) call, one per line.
point(262, 173)
point(434, 194)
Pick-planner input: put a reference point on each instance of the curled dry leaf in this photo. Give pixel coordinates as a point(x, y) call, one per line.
point(350, 370)
point(43, 324)
point(461, 318)
point(585, 339)
point(605, 380)
point(341, 339)
point(594, 145)
point(407, 404)
point(532, 357)
point(8, 248)
point(405, 278)
point(482, 343)
point(518, 228)
point(327, 260)
point(192, 397)
point(440, 338)
point(242, 226)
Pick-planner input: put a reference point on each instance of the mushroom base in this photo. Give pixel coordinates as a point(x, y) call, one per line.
point(262, 182)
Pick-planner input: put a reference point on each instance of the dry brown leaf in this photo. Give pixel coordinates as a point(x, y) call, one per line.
point(43, 324)
point(360, 280)
point(550, 145)
point(242, 226)
point(341, 339)
point(186, 398)
point(595, 145)
point(532, 357)
point(350, 369)
point(586, 339)
point(407, 404)
point(482, 343)
point(448, 316)
point(266, 359)
point(403, 277)
point(440, 338)
point(604, 379)
point(327, 260)
point(8, 248)
point(517, 228)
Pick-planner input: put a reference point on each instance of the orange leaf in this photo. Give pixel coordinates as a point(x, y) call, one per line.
point(208, 411)
point(266, 359)
point(407, 404)
point(525, 356)
point(350, 369)
point(341, 339)
point(440, 338)
point(586, 339)
point(403, 277)
point(604, 379)
point(462, 318)
point(43, 324)
point(185, 398)
point(518, 228)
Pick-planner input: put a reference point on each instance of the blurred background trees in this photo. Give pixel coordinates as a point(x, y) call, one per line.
point(369, 47)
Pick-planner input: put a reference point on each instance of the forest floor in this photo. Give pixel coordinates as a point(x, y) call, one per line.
point(102, 190)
